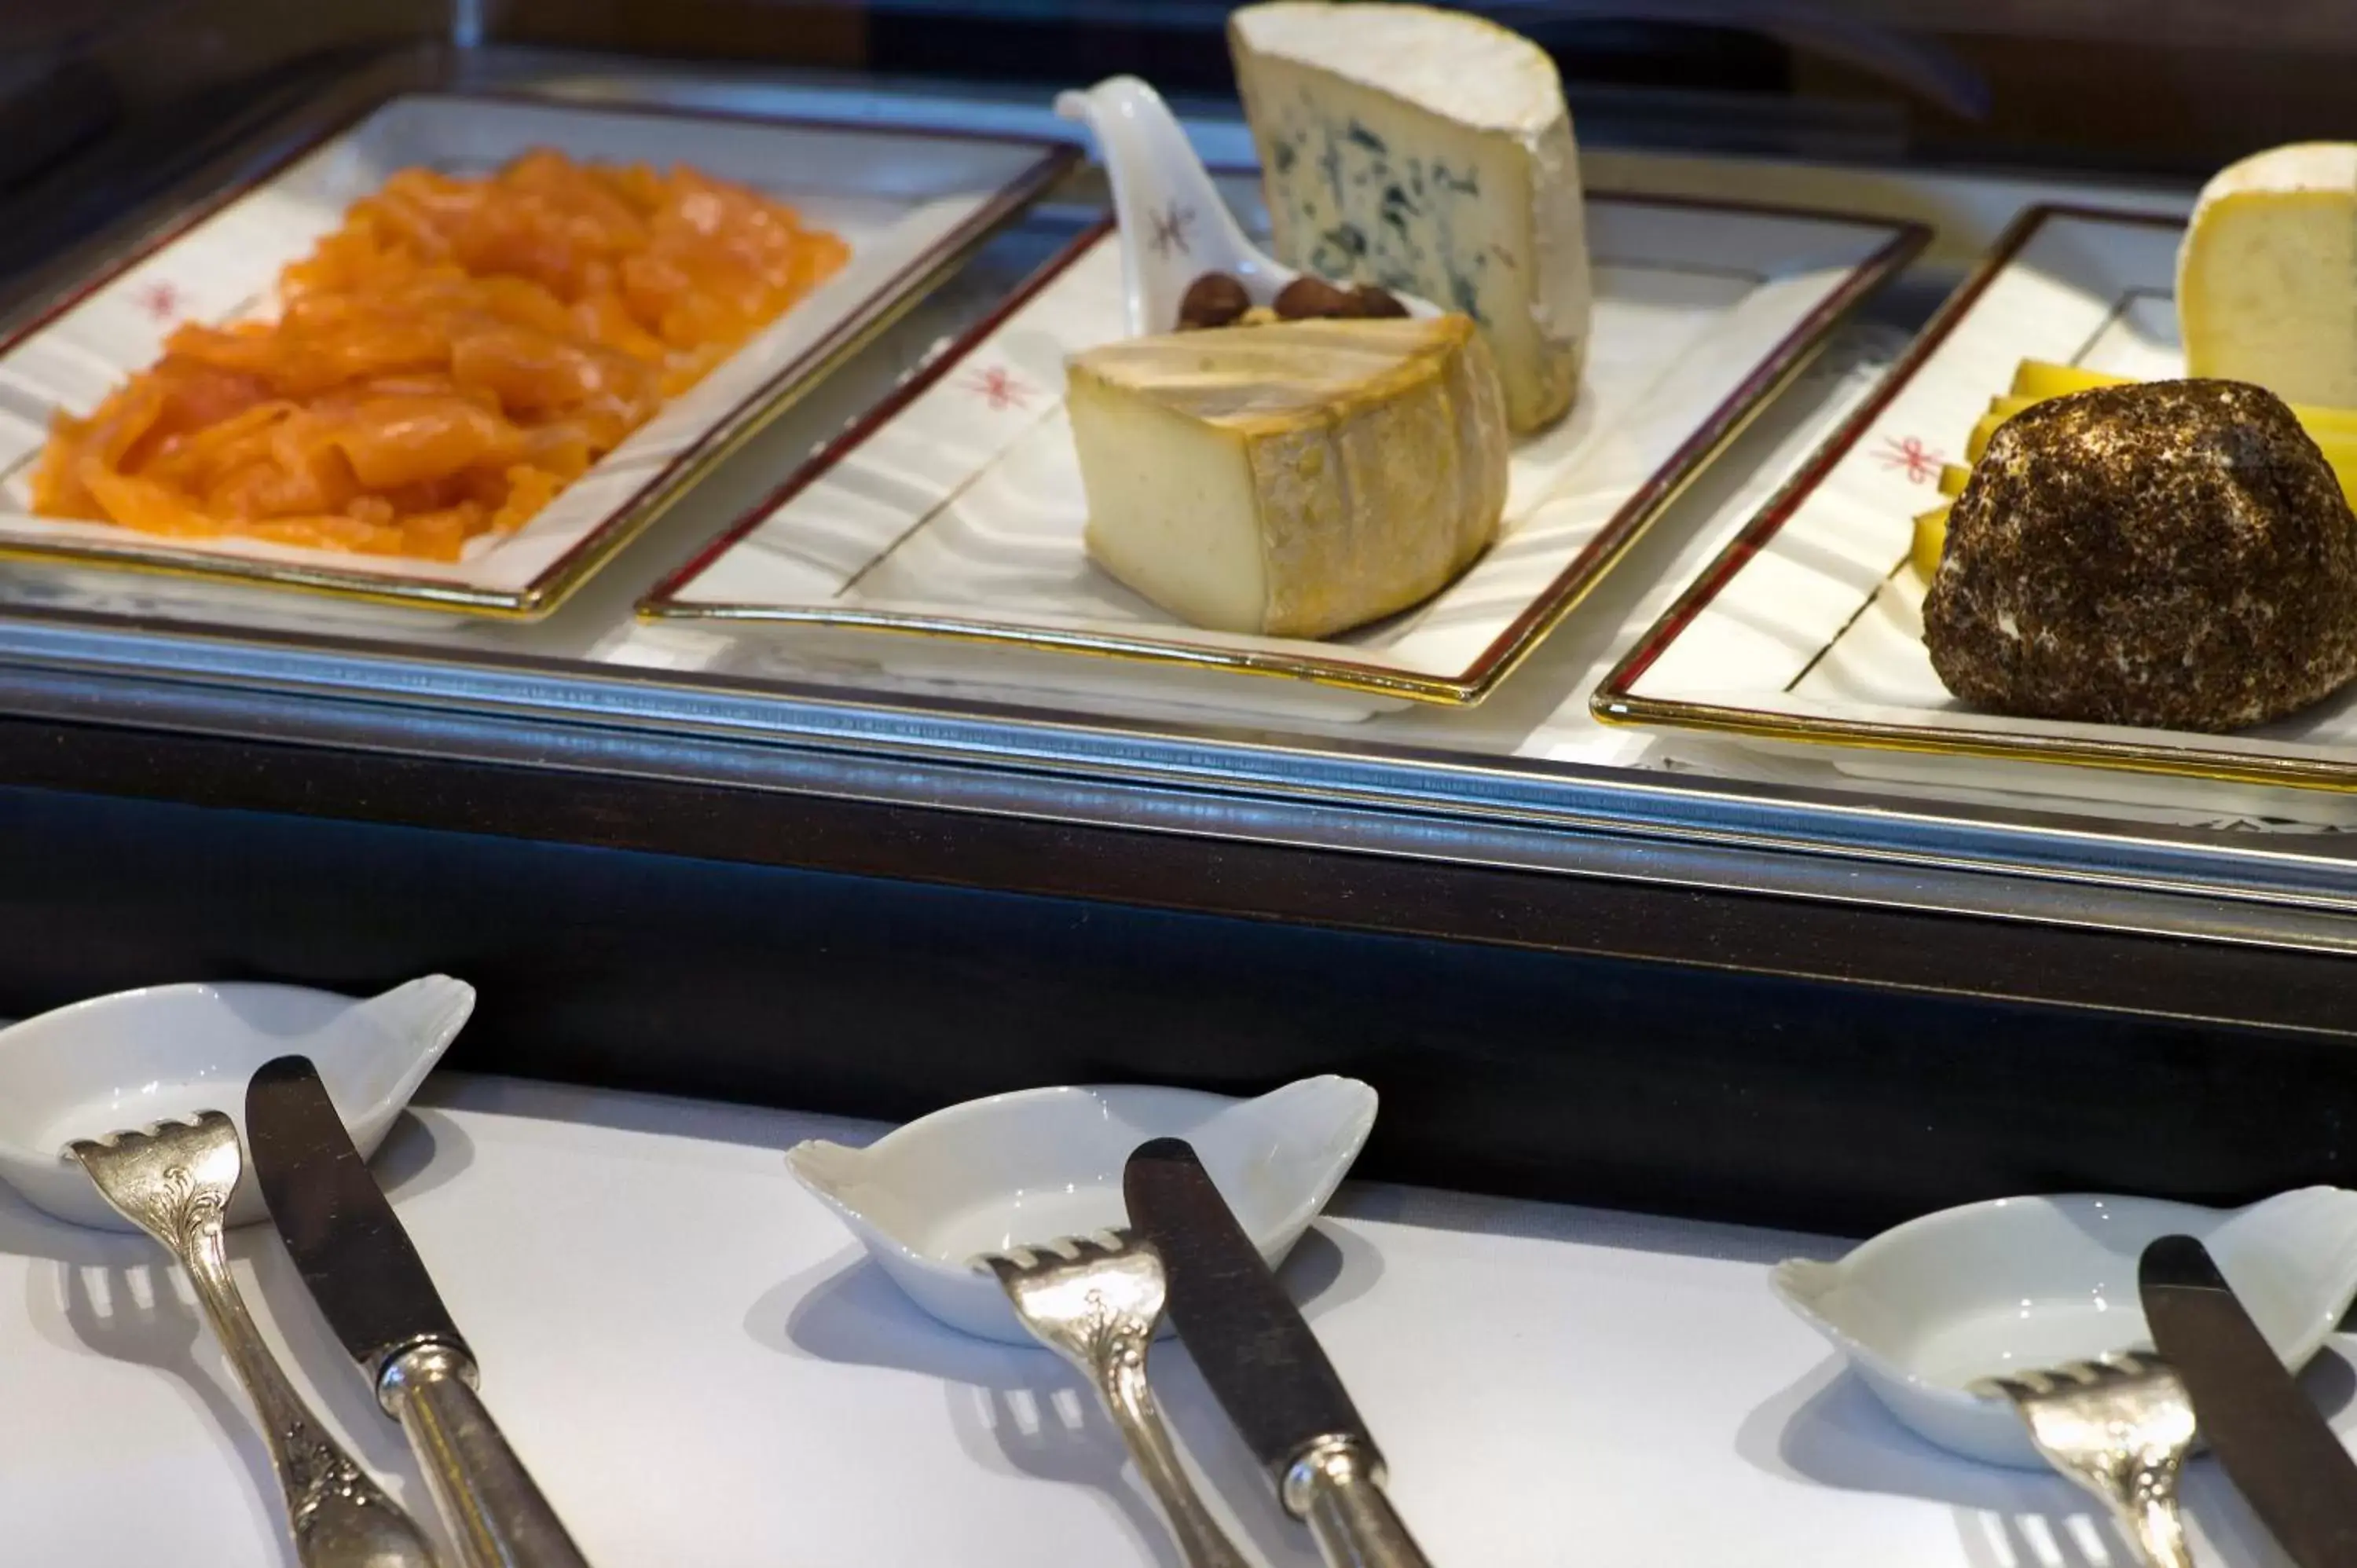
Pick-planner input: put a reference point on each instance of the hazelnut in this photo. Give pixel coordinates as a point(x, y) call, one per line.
point(1376, 303)
point(1307, 298)
point(1215, 299)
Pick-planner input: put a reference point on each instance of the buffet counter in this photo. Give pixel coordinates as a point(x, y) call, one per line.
point(702, 1367)
point(1651, 967)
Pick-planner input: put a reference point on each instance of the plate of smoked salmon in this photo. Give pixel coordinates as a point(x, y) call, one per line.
point(457, 354)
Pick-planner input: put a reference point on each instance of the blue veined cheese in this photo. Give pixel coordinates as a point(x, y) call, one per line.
point(2266, 280)
point(1429, 151)
point(1294, 479)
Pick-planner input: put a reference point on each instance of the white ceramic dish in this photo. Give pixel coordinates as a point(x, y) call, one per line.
point(1041, 1164)
point(2023, 1283)
point(950, 518)
point(907, 203)
point(121, 1062)
point(1807, 632)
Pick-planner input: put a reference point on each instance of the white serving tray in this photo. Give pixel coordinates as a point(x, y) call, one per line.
point(1808, 630)
point(951, 517)
point(908, 202)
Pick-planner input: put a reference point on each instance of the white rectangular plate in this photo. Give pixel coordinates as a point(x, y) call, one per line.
point(955, 510)
point(1809, 628)
point(907, 203)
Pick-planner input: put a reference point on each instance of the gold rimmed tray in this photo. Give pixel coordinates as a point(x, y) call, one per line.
point(949, 520)
point(908, 202)
point(1807, 630)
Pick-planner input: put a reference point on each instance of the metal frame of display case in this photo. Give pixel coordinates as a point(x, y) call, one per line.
point(1813, 1008)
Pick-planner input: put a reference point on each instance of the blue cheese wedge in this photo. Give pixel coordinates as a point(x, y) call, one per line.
point(2267, 279)
point(1294, 479)
point(1428, 151)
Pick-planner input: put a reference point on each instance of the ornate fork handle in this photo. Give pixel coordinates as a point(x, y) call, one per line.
point(1116, 1360)
point(1095, 1301)
point(2142, 1496)
point(339, 1518)
point(2118, 1428)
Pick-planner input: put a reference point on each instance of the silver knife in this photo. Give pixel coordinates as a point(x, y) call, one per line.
point(375, 1293)
point(1263, 1364)
point(2269, 1436)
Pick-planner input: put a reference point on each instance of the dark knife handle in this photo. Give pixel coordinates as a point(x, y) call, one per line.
point(488, 1498)
point(1337, 1489)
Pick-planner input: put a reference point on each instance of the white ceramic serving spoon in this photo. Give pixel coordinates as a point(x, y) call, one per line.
point(118, 1062)
point(1174, 227)
point(1040, 1164)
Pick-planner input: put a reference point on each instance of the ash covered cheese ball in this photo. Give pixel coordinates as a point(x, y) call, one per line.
point(1428, 151)
point(2172, 553)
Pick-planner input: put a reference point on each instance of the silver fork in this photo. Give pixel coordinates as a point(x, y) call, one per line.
point(2120, 1428)
point(1094, 1300)
point(173, 1180)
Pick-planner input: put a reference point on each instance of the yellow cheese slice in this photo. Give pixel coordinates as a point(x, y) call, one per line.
point(2038, 380)
point(1931, 538)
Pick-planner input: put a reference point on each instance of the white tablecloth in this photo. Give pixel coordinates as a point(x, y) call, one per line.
point(704, 1372)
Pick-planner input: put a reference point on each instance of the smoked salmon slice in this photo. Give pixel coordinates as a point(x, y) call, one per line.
point(444, 363)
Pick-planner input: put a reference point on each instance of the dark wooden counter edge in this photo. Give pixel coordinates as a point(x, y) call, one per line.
point(1205, 876)
point(1583, 1038)
point(1219, 875)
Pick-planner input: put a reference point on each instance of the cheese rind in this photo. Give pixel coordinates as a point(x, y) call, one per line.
point(2266, 278)
point(1291, 480)
point(1431, 153)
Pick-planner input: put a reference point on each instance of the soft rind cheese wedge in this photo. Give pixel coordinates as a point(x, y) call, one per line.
point(1431, 153)
point(2267, 279)
point(1291, 480)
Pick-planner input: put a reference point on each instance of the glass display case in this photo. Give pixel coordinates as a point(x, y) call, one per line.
point(812, 771)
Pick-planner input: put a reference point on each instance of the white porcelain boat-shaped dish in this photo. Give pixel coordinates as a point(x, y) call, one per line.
point(121, 1061)
point(1041, 1164)
point(2020, 1283)
point(1174, 225)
